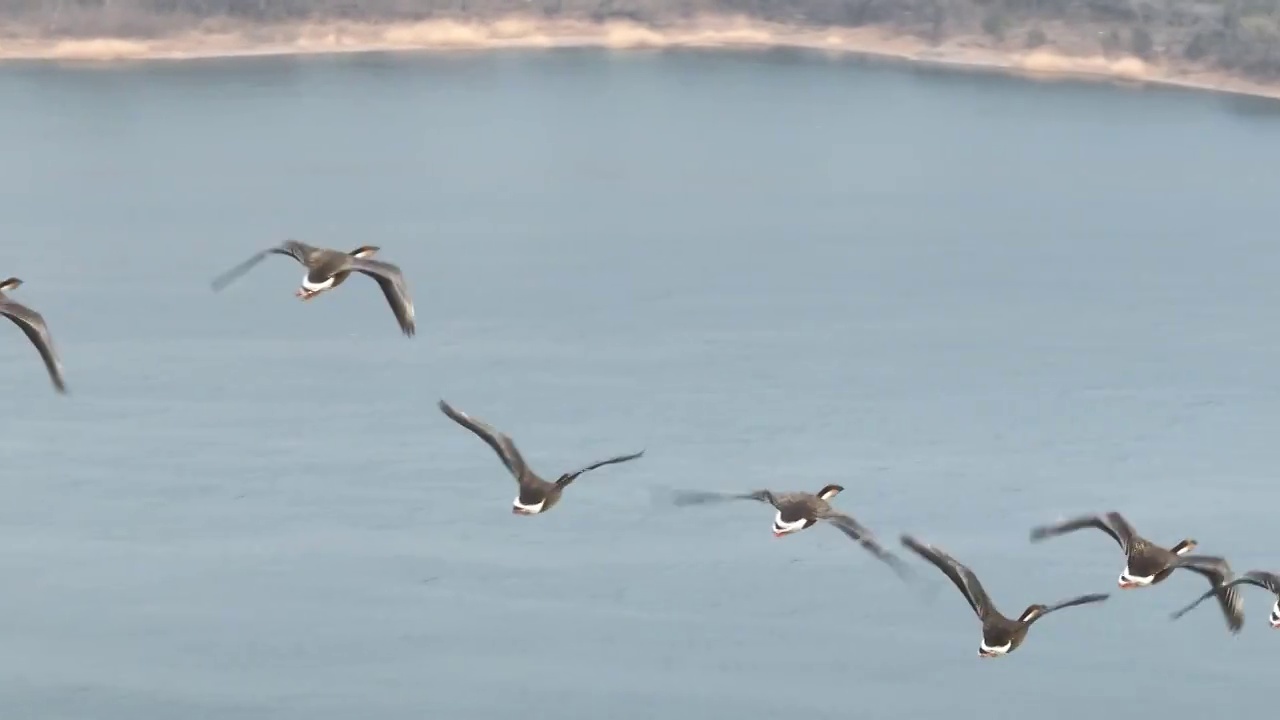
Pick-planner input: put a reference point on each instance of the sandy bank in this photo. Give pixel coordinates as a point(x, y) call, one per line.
point(974, 53)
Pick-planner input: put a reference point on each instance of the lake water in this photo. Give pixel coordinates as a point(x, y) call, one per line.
point(978, 303)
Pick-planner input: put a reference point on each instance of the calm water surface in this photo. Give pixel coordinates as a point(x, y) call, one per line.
point(978, 303)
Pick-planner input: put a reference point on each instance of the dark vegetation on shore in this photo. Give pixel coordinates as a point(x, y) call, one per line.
point(1238, 36)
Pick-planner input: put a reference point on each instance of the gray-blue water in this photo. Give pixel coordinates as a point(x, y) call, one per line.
point(978, 303)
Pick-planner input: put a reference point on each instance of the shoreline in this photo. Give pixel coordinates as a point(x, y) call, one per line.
point(971, 53)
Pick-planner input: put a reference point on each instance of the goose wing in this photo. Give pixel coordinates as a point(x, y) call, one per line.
point(702, 497)
point(1081, 600)
point(1259, 578)
point(503, 445)
point(570, 477)
point(391, 281)
point(962, 576)
point(855, 531)
point(1112, 523)
point(1218, 572)
point(37, 332)
point(299, 251)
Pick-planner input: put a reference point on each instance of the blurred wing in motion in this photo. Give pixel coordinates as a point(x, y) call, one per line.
point(503, 445)
point(1218, 572)
point(1112, 523)
point(570, 477)
point(855, 531)
point(391, 281)
point(702, 497)
point(33, 326)
point(294, 249)
point(963, 578)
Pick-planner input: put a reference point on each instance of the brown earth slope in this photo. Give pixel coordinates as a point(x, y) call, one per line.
point(1227, 44)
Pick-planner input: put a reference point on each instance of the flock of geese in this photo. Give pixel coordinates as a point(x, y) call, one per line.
point(1146, 563)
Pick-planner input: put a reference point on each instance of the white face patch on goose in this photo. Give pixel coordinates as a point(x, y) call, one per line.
point(985, 650)
point(316, 287)
point(1132, 581)
point(1275, 615)
point(532, 509)
point(782, 527)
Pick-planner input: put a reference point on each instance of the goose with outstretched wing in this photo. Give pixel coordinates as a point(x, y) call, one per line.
point(1000, 635)
point(1149, 564)
point(797, 511)
point(327, 269)
point(536, 495)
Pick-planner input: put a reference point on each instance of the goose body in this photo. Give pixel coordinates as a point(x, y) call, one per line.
point(311, 287)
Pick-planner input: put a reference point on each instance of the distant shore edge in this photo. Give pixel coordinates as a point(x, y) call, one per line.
point(961, 53)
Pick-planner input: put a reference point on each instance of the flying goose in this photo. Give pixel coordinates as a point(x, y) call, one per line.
point(1148, 564)
point(327, 269)
point(536, 495)
point(1000, 635)
point(797, 511)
